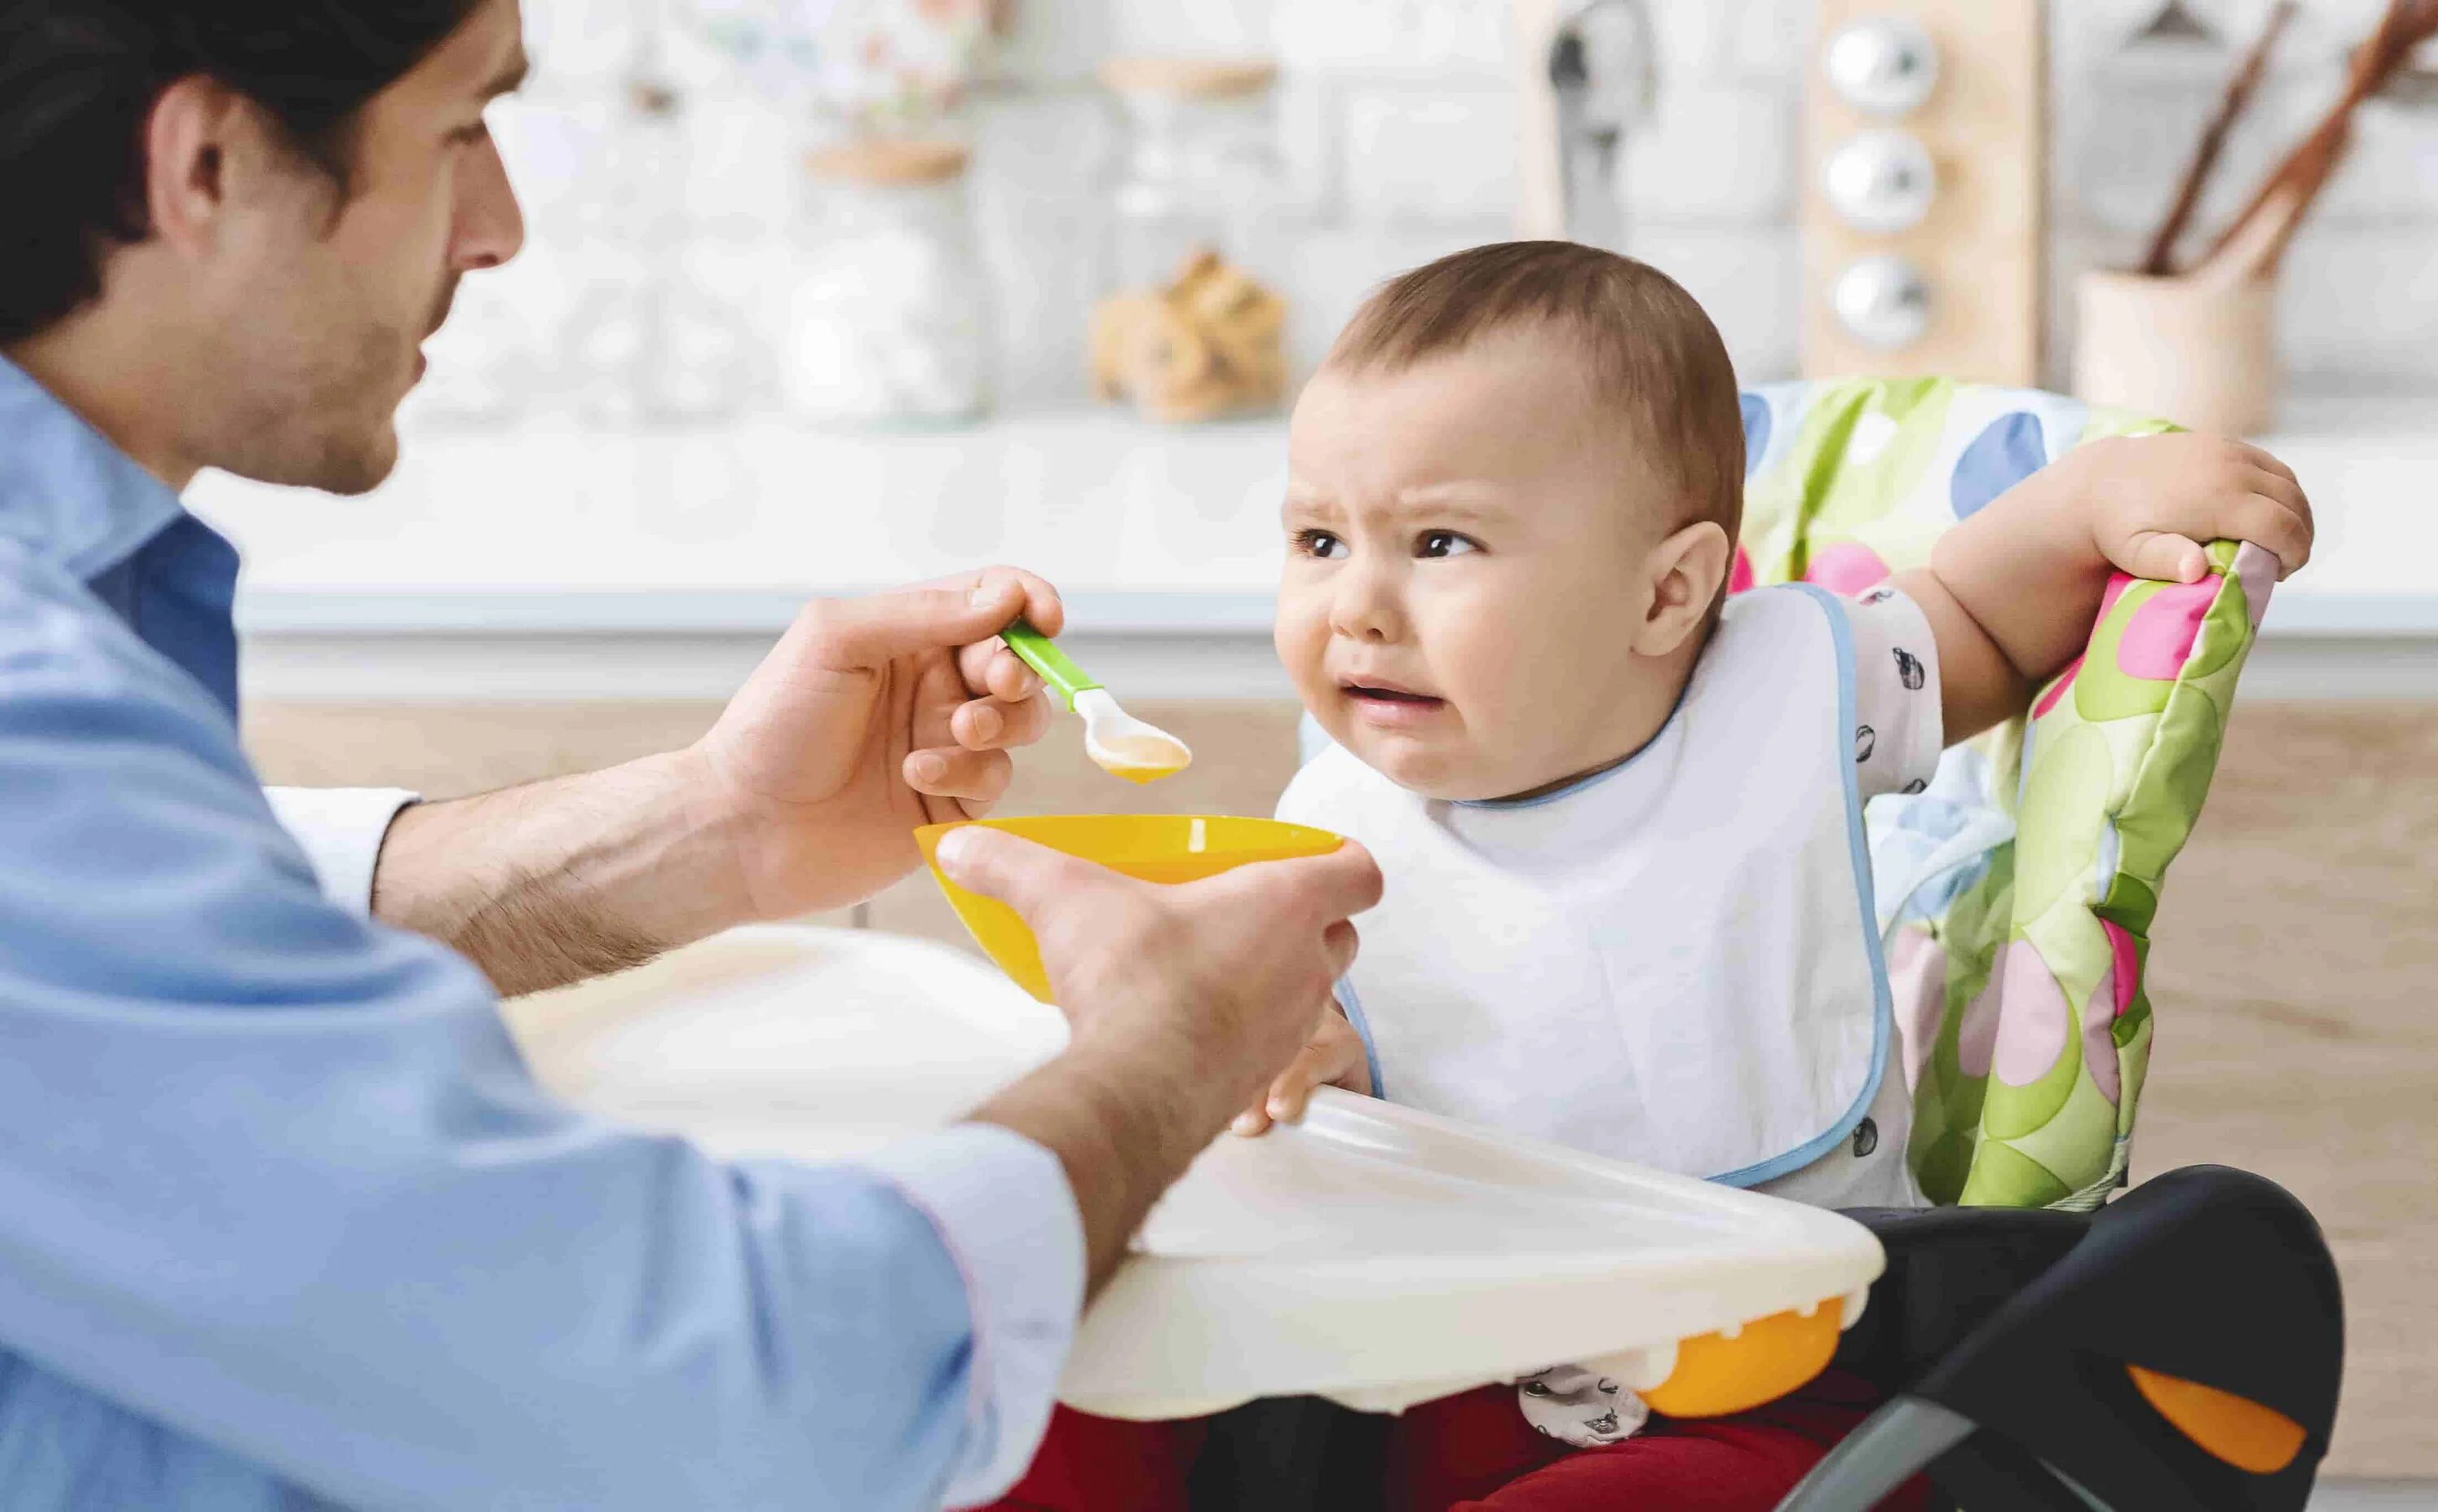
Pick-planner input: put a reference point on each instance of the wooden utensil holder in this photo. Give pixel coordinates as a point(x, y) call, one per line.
point(2199, 352)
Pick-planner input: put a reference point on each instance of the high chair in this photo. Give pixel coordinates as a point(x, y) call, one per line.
point(2179, 1349)
point(2173, 1352)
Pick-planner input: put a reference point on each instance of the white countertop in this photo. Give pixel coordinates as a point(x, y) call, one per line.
point(555, 528)
point(551, 532)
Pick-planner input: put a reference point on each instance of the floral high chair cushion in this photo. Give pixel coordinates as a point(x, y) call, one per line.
point(2017, 891)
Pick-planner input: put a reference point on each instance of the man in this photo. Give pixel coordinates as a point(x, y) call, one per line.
point(284, 1222)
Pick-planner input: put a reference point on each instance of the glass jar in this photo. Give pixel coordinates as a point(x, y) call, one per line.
point(890, 323)
point(1192, 326)
point(648, 343)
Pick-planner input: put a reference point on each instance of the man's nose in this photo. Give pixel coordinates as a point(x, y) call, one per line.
point(490, 227)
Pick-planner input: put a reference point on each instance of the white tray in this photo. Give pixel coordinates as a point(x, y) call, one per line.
point(1374, 1254)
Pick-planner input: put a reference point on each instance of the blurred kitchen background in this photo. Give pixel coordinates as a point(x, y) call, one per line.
point(823, 295)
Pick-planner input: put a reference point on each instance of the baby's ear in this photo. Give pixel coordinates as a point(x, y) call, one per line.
point(1686, 571)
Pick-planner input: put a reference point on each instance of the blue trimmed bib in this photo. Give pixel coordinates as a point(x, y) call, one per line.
point(1674, 963)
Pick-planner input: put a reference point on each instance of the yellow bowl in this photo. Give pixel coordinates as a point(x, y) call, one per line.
point(1152, 847)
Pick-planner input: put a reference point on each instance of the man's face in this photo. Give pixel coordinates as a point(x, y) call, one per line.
point(325, 303)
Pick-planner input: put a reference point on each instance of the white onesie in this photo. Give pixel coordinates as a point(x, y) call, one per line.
point(1674, 962)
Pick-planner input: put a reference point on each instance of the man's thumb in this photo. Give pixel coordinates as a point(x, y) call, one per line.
point(1018, 873)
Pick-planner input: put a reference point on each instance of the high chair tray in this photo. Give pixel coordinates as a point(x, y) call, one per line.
point(1375, 1254)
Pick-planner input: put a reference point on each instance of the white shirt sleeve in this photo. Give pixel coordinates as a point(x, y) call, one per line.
point(341, 830)
point(1003, 1210)
point(1900, 730)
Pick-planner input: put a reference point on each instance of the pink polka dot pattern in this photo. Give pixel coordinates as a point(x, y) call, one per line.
point(2117, 584)
point(2032, 1031)
point(2098, 1040)
point(1917, 985)
point(1740, 575)
point(2063, 686)
point(1846, 568)
point(2256, 567)
point(2160, 637)
point(2126, 970)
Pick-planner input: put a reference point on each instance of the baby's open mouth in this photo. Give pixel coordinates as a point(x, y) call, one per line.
point(1384, 705)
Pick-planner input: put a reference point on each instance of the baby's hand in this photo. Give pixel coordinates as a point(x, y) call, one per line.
point(2155, 501)
point(1332, 1057)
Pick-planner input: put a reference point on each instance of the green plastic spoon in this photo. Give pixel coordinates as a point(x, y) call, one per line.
point(1122, 745)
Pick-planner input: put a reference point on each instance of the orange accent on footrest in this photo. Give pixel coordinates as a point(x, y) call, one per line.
point(1716, 1375)
point(2234, 1429)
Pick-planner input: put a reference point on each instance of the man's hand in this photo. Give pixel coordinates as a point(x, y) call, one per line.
point(1185, 999)
point(873, 717)
point(1334, 1057)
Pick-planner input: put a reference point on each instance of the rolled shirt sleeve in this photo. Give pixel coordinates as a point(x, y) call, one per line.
point(341, 831)
point(1007, 1218)
point(279, 1196)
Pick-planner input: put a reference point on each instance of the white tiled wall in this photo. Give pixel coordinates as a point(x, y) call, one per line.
point(1399, 125)
point(1400, 122)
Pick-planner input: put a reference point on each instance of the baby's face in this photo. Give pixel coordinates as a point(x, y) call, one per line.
point(1468, 566)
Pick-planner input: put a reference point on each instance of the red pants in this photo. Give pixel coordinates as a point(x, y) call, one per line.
point(1474, 1452)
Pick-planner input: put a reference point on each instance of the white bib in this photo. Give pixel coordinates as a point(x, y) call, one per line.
point(1674, 963)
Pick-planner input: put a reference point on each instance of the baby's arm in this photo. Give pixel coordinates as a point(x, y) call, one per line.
point(2011, 593)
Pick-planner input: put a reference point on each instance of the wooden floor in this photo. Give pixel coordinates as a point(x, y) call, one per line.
point(2294, 969)
point(2295, 973)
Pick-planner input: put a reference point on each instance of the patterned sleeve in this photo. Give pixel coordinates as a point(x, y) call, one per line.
point(1899, 734)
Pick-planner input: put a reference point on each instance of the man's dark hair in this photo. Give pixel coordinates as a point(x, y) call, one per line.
point(79, 79)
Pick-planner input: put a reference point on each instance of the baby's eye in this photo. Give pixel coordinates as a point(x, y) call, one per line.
point(1443, 543)
point(1319, 543)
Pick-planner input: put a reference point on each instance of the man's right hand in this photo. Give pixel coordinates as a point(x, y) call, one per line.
point(1186, 1000)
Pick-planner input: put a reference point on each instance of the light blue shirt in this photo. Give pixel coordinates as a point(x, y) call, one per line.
point(284, 1221)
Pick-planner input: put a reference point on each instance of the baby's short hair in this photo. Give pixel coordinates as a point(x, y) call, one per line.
point(1647, 348)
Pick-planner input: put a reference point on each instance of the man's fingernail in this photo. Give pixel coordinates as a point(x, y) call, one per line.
point(985, 592)
point(1246, 1123)
point(929, 768)
point(988, 722)
point(954, 847)
point(1278, 1109)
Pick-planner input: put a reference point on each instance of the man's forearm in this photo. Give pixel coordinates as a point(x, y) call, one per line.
point(1125, 1125)
point(559, 881)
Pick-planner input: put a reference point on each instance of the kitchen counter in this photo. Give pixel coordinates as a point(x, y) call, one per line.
point(551, 562)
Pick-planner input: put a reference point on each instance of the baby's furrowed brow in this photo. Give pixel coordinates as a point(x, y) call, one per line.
point(1302, 504)
point(1460, 505)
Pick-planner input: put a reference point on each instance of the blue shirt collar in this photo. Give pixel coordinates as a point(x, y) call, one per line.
point(68, 494)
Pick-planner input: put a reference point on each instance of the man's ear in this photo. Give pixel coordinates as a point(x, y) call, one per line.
point(202, 139)
point(1685, 572)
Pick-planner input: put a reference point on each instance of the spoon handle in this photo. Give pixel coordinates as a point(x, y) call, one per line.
point(1042, 655)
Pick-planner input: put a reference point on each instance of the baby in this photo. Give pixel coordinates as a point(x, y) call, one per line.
point(1619, 815)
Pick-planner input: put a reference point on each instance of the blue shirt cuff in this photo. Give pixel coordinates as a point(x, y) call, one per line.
point(1004, 1211)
